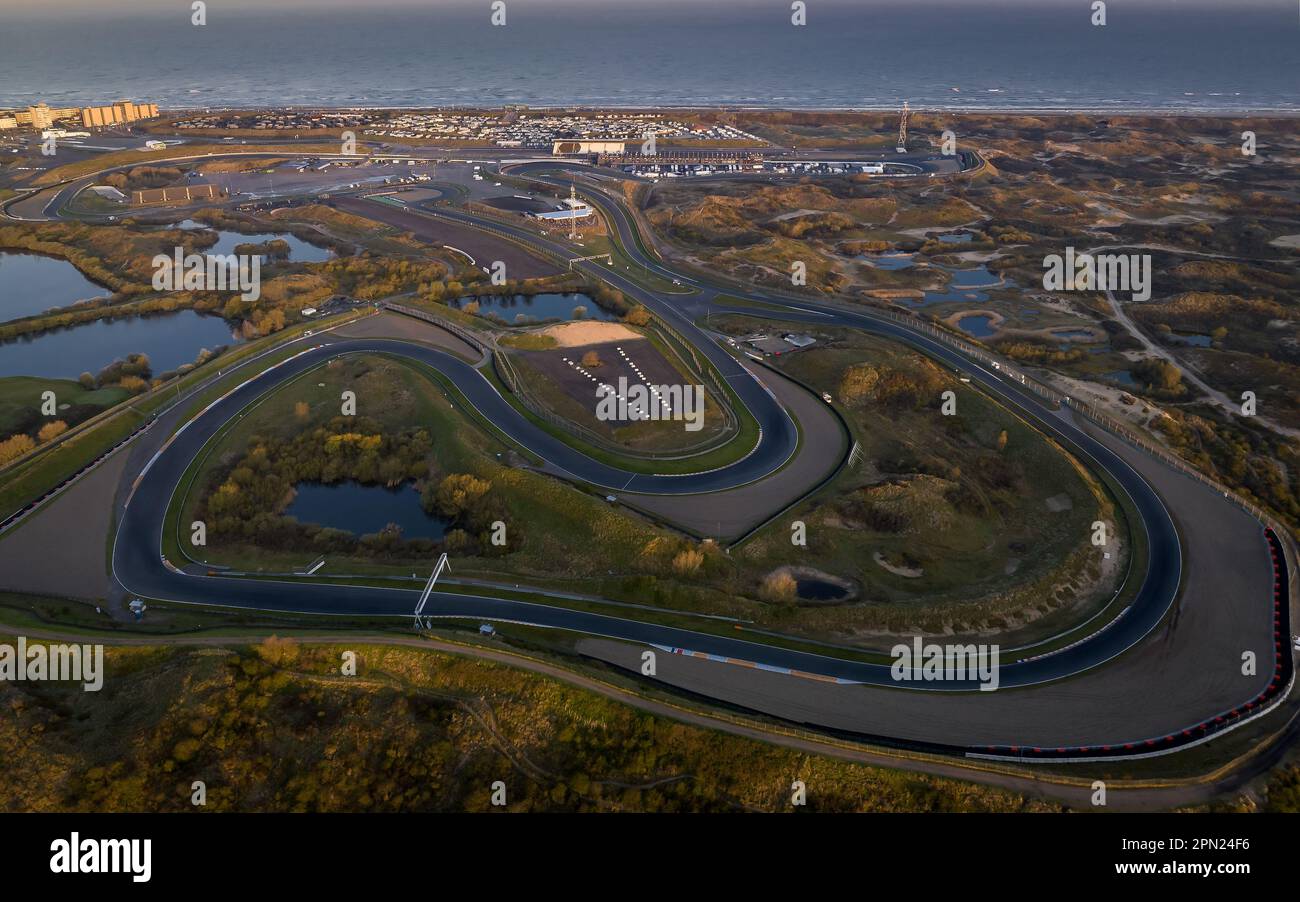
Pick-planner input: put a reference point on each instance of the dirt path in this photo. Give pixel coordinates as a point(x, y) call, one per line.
point(1213, 395)
point(1076, 793)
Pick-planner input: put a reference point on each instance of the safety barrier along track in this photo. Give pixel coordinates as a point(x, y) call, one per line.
point(1273, 694)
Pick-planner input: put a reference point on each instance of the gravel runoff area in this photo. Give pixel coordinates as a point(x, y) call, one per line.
point(590, 332)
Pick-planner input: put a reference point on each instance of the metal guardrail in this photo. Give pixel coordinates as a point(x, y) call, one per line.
point(678, 344)
point(466, 335)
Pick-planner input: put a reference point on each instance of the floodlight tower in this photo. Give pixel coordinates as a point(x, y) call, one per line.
point(573, 212)
point(902, 129)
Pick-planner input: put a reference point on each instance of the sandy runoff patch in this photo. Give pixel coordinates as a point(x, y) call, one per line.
point(573, 335)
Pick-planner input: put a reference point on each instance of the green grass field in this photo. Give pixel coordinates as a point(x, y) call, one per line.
point(20, 399)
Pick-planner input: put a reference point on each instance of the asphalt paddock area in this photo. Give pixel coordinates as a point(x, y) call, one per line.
point(484, 247)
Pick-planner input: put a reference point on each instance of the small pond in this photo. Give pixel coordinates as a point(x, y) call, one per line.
point(364, 509)
point(966, 286)
point(299, 251)
point(523, 308)
point(810, 589)
point(980, 325)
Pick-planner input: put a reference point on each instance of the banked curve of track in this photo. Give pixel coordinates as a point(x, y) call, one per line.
point(138, 563)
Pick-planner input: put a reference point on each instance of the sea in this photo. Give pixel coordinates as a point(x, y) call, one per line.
point(1161, 55)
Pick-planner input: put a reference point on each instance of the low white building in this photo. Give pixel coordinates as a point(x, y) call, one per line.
point(573, 209)
point(108, 192)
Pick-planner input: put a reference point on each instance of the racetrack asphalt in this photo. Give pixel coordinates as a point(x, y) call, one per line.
point(138, 565)
point(1184, 652)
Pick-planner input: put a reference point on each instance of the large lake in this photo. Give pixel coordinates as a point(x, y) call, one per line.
point(31, 284)
point(364, 509)
point(170, 339)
